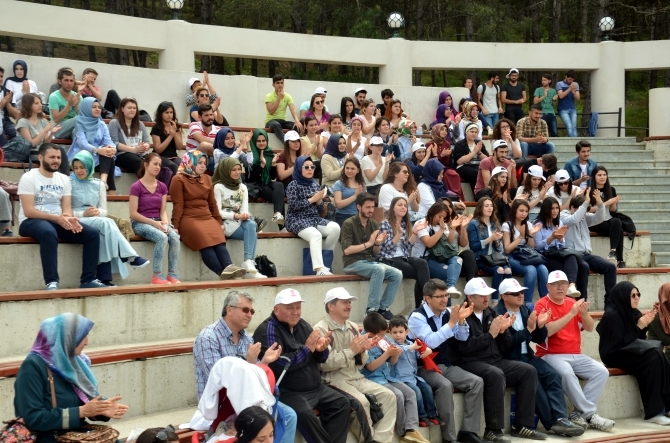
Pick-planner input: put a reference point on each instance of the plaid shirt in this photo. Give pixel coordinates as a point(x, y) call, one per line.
point(525, 129)
point(388, 248)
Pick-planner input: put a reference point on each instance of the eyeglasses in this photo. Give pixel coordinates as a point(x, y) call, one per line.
point(245, 309)
point(203, 95)
point(635, 294)
point(440, 297)
point(163, 435)
point(309, 167)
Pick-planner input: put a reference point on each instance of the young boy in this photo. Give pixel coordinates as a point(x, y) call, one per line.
point(377, 369)
point(406, 368)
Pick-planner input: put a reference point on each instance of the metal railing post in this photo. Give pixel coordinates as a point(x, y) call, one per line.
point(618, 132)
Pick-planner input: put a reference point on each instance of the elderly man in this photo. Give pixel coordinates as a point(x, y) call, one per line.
point(301, 388)
point(227, 337)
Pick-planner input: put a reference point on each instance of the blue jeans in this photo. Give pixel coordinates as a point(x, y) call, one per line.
point(531, 274)
point(377, 273)
point(489, 120)
point(537, 149)
point(247, 232)
point(450, 274)
point(569, 118)
point(497, 277)
point(425, 403)
point(551, 123)
point(161, 239)
point(290, 423)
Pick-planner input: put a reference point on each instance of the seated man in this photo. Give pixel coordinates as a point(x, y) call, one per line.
point(581, 167)
point(64, 103)
point(533, 134)
point(499, 158)
point(562, 350)
point(387, 98)
point(348, 353)
point(201, 134)
point(46, 215)
point(361, 242)
point(301, 387)
point(276, 103)
point(530, 326)
point(304, 106)
point(7, 129)
point(435, 324)
point(578, 219)
point(481, 354)
point(227, 337)
point(547, 162)
point(88, 88)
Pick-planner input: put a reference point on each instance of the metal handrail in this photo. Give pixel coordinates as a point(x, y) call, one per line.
point(618, 127)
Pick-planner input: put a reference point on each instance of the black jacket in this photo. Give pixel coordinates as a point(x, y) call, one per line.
point(480, 345)
point(539, 335)
point(303, 375)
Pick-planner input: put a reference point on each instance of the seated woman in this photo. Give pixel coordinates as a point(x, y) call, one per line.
point(305, 204)
point(57, 357)
point(232, 199)
point(347, 111)
point(195, 212)
point(533, 190)
point(396, 249)
point(254, 425)
point(6, 214)
point(407, 130)
point(394, 113)
point(611, 227)
point(518, 231)
point(467, 154)
point(399, 182)
point(19, 84)
point(449, 111)
point(225, 146)
point(563, 190)
point(621, 328)
point(551, 236)
point(356, 142)
point(312, 142)
point(317, 109)
point(485, 238)
point(659, 328)
point(505, 129)
point(203, 98)
point(91, 134)
point(369, 119)
point(432, 188)
point(129, 136)
point(166, 136)
point(420, 156)
point(346, 189)
point(333, 160)
point(147, 204)
point(285, 160)
point(440, 149)
point(158, 435)
point(89, 205)
point(471, 116)
point(375, 166)
point(260, 174)
point(388, 137)
point(335, 126)
point(498, 192)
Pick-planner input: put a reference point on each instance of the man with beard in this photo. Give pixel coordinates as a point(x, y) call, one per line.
point(533, 134)
point(359, 96)
point(499, 158)
point(201, 134)
point(46, 216)
point(64, 103)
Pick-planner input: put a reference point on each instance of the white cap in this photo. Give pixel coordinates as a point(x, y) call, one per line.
point(291, 136)
point(511, 71)
point(191, 81)
point(360, 90)
point(418, 145)
point(376, 141)
point(536, 171)
point(499, 143)
point(338, 294)
point(497, 170)
point(555, 276)
point(510, 285)
point(320, 90)
point(288, 296)
point(478, 286)
point(562, 176)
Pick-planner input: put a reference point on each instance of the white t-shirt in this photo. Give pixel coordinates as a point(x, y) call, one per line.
point(489, 99)
point(427, 198)
point(48, 192)
point(386, 195)
point(583, 168)
point(565, 197)
point(360, 152)
point(531, 196)
point(506, 228)
point(367, 164)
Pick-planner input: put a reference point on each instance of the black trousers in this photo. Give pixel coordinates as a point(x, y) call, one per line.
point(333, 424)
point(576, 270)
point(468, 172)
point(278, 127)
point(416, 268)
point(497, 377)
point(106, 166)
point(131, 162)
point(606, 268)
point(273, 192)
point(216, 258)
point(113, 102)
point(514, 114)
point(611, 228)
point(549, 398)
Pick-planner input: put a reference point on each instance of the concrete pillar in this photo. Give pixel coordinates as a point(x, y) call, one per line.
point(608, 88)
point(178, 54)
point(659, 110)
point(398, 69)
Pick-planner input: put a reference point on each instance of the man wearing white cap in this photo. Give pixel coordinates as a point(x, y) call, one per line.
point(497, 160)
point(481, 354)
point(563, 351)
point(304, 106)
point(194, 83)
point(530, 326)
point(359, 96)
point(348, 352)
point(533, 134)
point(301, 388)
point(513, 95)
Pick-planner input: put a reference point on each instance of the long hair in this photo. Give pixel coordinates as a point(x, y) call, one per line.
point(287, 154)
point(135, 123)
point(527, 186)
point(497, 133)
point(158, 117)
point(311, 103)
point(393, 220)
point(449, 205)
point(479, 213)
point(607, 188)
point(27, 102)
point(389, 114)
point(358, 178)
point(557, 188)
point(250, 422)
point(394, 169)
point(434, 210)
point(309, 118)
point(497, 191)
point(343, 109)
point(511, 217)
point(145, 162)
point(544, 216)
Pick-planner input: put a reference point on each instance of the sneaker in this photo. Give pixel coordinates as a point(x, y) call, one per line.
point(388, 315)
point(7, 234)
point(278, 218)
point(621, 264)
point(573, 292)
point(369, 311)
point(576, 418)
point(423, 422)
point(453, 292)
point(660, 419)
point(565, 427)
point(413, 436)
point(53, 286)
point(612, 256)
point(93, 284)
point(531, 434)
point(436, 421)
point(324, 271)
point(249, 275)
point(139, 262)
point(490, 435)
point(260, 224)
point(232, 271)
point(108, 283)
point(601, 423)
point(172, 278)
point(159, 280)
point(249, 266)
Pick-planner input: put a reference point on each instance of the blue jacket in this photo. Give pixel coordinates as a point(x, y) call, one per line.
point(539, 335)
point(477, 237)
point(575, 171)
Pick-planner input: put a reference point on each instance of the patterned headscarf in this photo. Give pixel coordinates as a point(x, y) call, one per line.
point(86, 159)
point(404, 128)
point(188, 162)
point(468, 109)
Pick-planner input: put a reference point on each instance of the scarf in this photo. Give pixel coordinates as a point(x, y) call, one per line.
point(435, 134)
point(468, 108)
point(618, 326)
point(188, 162)
point(430, 172)
point(86, 123)
point(332, 148)
point(267, 153)
point(221, 138)
point(222, 174)
point(297, 171)
point(14, 78)
point(664, 306)
point(86, 159)
point(404, 128)
point(56, 342)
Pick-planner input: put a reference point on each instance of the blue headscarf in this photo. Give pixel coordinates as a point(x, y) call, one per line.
point(430, 172)
point(86, 123)
point(221, 138)
point(86, 159)
point(14, 78)
point(297, 171)
point(332, 147)
point(56, 343)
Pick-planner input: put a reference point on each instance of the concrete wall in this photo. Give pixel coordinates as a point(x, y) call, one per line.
point(659, 109)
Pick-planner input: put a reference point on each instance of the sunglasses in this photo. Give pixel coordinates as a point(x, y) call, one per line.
point(514, 294)
point(635, 294)
point(563, 183)
point(163, 435)
point(308, 167)
point(203, 95)
point(318, 103)
point(404, 171)
point(245, 309)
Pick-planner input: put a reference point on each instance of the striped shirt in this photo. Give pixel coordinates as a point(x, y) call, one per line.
point(196, 128)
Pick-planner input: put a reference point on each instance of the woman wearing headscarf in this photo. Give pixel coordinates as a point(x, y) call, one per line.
point(57, 354)
point(92, 135)
point(89, 205)
point(407, 137)
point(262, 174)
point(19, 84)
point(659, 328)
point(620, 328)
point(440, 148)
point(196, 218)
point(470, 116)
point(225, 145)
point(333, 159)
point(305, 204)
point(432, 188)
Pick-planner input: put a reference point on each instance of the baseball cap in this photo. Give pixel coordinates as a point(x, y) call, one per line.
point(562, 176)
point(497, 170)
point(360, 90)
point(478, 286)
point(288, 296)
point(376, 141)
point(555, 276)
point(192, 80)
point(418, 145)
point(499, 143)
point(510, 285)
point(513, 70)
point(320, 90)
point(536, 171)
point(291, 136)
point(338, 293)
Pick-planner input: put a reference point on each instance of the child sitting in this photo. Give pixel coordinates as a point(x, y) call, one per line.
point(377, 369)
point(406, 368)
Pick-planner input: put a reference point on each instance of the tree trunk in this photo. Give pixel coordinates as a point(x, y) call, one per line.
point(271, 68)
point(584, 85)
point(238, 66)
point(217, 65)
point(123, 57)
point(205, 63)
point(254, 67)
point(419, 36)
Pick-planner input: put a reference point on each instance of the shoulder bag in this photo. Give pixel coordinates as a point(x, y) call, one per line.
point(441, 251)
point(265, 266)
point(16, 431)
point(639, 346)
point(627, 225)
point(495, 259)
point(562, 253)
point(527, 256)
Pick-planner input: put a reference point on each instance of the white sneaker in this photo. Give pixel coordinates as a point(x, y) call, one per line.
point(278, 218)
point(257, 274)
point(324, 271)
point(573, 292)
point(250, 266)
point(660, 419)
point(454, 293)
point(600, 423)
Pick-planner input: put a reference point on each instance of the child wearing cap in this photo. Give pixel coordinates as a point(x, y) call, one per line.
point(534, 189)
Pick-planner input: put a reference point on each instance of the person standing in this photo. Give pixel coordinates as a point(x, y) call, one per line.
point(488, 100)
point(546, 97)
point(568, 93)
point(513, 95)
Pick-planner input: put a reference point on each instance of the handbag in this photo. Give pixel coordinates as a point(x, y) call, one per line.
point(16, 431)
point(527, 256)
point(265, 266)
point(124, 226)
point(253, 191)
point(562, 253)
point(627, 225)
point(639, 347)
point(495, 259)
point(441, 251)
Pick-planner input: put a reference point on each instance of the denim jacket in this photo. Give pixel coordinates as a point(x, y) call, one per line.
point(575, 171)
point(477, 238)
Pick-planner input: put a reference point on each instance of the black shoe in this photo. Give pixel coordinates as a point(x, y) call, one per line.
point(260, 224)
point(612, 256)
point(468, 437)
point(531, 434)
point(565, 427)
point(369, 311)
point(621, 264)
point(388, 315)
point(496, 436)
